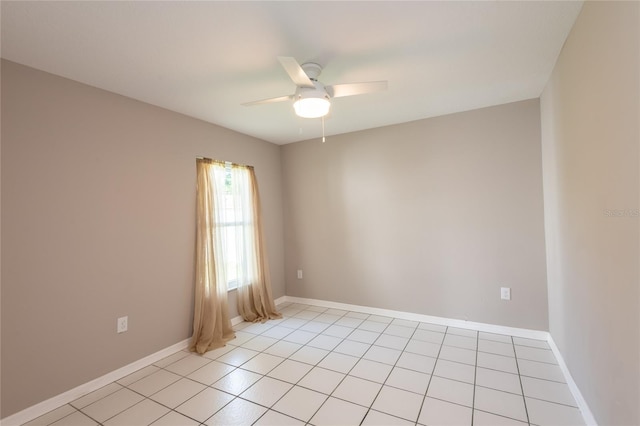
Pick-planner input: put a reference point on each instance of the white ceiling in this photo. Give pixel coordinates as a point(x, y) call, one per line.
point(204, 59)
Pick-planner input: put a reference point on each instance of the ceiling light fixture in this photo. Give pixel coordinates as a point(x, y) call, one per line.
point(311, 103)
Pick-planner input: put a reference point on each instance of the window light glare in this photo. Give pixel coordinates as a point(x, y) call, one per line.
point(311, 107)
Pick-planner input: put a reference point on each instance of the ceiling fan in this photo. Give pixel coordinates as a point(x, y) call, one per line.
point(312, 98)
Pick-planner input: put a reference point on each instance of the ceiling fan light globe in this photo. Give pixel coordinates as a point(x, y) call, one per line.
point(312, 107)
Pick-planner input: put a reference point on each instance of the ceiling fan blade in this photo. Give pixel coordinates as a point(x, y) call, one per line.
point(295, 71)
point(350, 89)
point(269, 101)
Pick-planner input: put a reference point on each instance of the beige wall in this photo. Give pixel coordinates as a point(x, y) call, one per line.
point(430, 217)
point(98, 205)
point(590, 117)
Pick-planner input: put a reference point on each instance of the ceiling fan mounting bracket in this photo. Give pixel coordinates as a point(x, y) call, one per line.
point(312, 70)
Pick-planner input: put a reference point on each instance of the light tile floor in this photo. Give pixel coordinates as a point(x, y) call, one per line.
point(323, 366)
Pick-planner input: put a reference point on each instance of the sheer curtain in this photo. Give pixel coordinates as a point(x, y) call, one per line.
point(211, 322)
point(230, 250)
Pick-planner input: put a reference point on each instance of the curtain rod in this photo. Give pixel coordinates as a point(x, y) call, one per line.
point(225, 162)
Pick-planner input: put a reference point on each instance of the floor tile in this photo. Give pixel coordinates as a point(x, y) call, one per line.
point(339, 312)
point(266, 391)
point(358, 315)
point(325, 342)
point(309, 355)
point(503, 338)
point(178, 392)
point(498, 348)
point(423, 348)
point(290, 371)
point(205, 404)
point(432, 327)
point(437, 412)
point(283, 349)
point(112, 405)
point(349, 322)
point(143, 413)
point(258, 327)
point(451, 391)
point(134, 377)
point(421, 363)
point(384, 355)
point(501, 403)
point(392, 342)
point(521, 341)
point(353, 348)
point(300, 403)
point(398, 402)
point(299, 336)
point(535, 354)
point(237, 357)
point(497, 362)
point(363, 336)
point(337, 412)
point(377, 327)
point(326, 318)
point(262, 363)
point(455, 371)
point(371, 370)
point(96, 395)
point(237, 381)
point(241, 338)
point(293, 323)
point(548, 391)
point(175, 419)
point(404, 323)
point(498, 380)
point(466, 356)
point(541, 370)
point(273, 418)
point(545, 413)
point(338, 331)
point(358, 391)
point(321, 380)
point(211, 372)
point(154, 382)
point(238, 412)
point(307, 314)
point(277, 332)
point(462, 332)
point(338, 362)
point(376, 418)
point(482, 418)
point(52, 416)
point(428, 336)
point(400, 331)
point(75, 419)
point(380, 318)
point(215, 353)
point(187, 365)
point(171, 359)
point(460, 341)
point(408, 380)
point(260, 343)
point(318, 309)
point(314, 327)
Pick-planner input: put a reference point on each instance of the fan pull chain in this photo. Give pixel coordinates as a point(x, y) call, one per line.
point(323, 139)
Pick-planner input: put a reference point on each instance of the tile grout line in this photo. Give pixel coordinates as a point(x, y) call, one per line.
point(524, 400)
point(431, 375)
point(475, 379)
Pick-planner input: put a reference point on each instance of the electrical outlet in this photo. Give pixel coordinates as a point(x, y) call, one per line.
point(299, 274)
point(505, 293)
point(123, 324)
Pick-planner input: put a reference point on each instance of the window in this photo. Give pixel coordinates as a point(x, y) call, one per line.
point(234, 224)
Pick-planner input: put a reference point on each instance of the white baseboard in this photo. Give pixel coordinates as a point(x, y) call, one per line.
point(478, 326)
point(44, 407)
point(587, 415)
